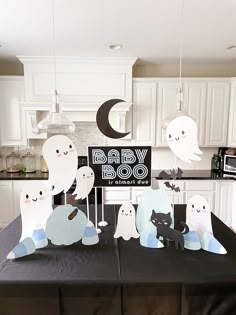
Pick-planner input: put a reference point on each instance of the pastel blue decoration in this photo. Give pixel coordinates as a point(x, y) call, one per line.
point(157, 200)
point(90, 236)
point(192, 241)
point(66, 225)
point(39, 237)
point(149, 240)
point(211, 244)
point(24, 248)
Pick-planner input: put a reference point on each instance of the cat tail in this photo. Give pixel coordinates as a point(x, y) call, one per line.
point(186, 228)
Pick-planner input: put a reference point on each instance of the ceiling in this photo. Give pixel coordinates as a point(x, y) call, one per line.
point(147, 29)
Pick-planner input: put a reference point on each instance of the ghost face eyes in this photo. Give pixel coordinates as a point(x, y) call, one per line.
point(62, 152)
point(127, 212)
point(177, 137)
point(35, 198)
point(198, 209)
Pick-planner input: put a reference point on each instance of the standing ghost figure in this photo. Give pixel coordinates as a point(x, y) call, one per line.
point(126, 227)
point(84, 182)
point(198, 215)
point(36, 207)
point(60, 155)
point(181, 136)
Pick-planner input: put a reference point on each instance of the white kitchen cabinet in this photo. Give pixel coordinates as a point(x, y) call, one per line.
point(117, 195)
point(217, 111)
point(232, 116)
point(12, 119)
point(144, 111)
point(6, 207)
point(224, 201)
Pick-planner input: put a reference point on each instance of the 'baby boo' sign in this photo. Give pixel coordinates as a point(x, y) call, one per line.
point(121, 166)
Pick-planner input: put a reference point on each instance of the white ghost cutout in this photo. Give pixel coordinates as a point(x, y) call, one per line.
point(36, 207)
point(126, 227)
point(181, 136)
point(84, 182)
point(60, 155)
point(198, 215)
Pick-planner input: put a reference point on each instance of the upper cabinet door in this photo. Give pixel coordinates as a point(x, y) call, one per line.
point(232, 116)
point(144, 112)
point(166, 105)
point(217, 113)
point(12, 122)
point(194, 93)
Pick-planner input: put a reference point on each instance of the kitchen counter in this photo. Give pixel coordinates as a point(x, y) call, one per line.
point(197, 174)
point(38, 175)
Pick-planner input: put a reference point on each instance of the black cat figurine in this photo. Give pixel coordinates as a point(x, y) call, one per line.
point(162, 222)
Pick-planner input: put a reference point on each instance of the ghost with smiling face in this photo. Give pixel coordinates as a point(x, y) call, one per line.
point(126, 227)
point(36, 207)
point(181, 136)
point(60, 155)
point(84, 182)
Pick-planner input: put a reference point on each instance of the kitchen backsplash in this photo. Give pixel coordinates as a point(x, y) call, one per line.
point(87, 133)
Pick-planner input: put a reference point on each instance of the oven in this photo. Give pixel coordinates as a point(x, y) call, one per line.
point(70, 199)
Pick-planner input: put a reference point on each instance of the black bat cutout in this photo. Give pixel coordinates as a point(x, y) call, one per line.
point(173, 174)
point(172, 186)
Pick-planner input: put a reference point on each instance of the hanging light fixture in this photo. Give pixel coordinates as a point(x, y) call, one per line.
point(56, 121)
point(180, 111)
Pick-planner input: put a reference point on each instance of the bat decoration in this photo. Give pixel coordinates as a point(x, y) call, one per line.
point(172, 186)
point(173, 174)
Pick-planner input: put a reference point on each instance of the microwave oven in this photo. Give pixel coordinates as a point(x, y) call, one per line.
point(230, 164)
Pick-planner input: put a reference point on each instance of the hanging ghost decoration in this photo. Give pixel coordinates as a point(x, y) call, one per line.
point(84, 182)
point(60, 155)
point(126, 227)
point(181, 136)
point(36, 207)
point(198, 218)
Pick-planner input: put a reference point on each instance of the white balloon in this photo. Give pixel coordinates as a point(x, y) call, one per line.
point(84, 182)
point(198, 215)
point(181, 136)
point(126, 227)
point(60, 155)
point(36, 207)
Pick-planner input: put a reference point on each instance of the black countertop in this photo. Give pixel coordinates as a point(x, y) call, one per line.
point(38, 175)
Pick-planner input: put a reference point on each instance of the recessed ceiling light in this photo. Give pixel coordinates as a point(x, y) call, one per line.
point(233, 47)
point(117, 46)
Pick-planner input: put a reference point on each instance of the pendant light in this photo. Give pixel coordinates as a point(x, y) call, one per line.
point(179, 102)
point(56, 121)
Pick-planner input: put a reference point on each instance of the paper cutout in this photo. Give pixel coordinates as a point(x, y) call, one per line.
point(36, 207)
point(162, 222)
point(173, 174)
point(90, 236)
point(66, 225)
point(172, 186)
point(181, 136)
point(103, 123)
point(84, 182)
point(24, 248)
point(39, 237)
point(151, 199)
point(60, 155)
point(198, 218)
point(126, 227)
point(149, 240)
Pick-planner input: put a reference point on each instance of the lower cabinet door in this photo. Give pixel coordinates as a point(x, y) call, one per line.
point(6, 207)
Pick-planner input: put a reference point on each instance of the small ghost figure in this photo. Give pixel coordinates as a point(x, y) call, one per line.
point(181, 136)
point(36, 207)
point(84, 182)
point(60, 155)
point(126, 227)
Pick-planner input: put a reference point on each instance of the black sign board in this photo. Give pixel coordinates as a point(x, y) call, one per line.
point(121, 166)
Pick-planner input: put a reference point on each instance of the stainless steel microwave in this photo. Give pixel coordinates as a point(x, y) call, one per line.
point(230, 163)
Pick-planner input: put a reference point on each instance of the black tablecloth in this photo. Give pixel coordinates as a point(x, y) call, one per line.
point(118, 277)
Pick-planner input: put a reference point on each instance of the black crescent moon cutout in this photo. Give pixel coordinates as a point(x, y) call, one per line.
point(103, 123)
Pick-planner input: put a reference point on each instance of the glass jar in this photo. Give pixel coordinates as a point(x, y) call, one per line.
point(1, 163)
point(28, 163)
point(43, 165)
point(13, 163)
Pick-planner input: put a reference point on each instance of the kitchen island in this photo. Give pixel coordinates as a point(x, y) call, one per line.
point(118, 277)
